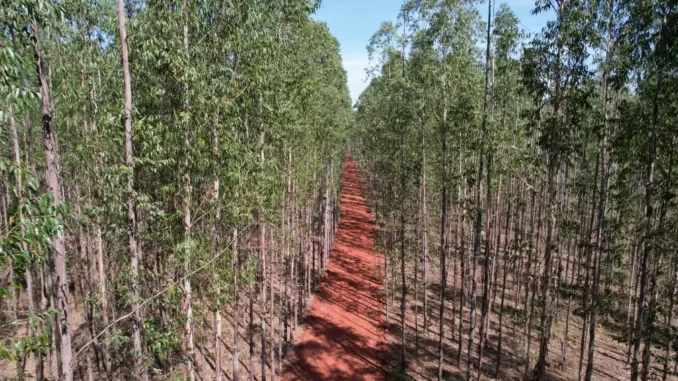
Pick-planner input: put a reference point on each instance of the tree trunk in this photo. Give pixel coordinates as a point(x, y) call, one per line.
point(52, 177)
point(643, 313)
point(103, 299)
point(139, 368)
point(24, 246)
point(236, 308)
point(215, 252)
point(528, 285)
point(262, 258)
point(403, 292)
point(488, 270)
point(250, 330)
point(189, 346)
point(599, 237)
point(674, 275)
point(424, 232)
point(443, 247)
point(500, 325)
point(479, 207)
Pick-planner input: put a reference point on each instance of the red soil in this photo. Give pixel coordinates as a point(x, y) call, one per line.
point(344, 337)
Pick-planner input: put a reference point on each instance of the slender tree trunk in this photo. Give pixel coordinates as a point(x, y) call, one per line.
point(139, 369)
point(11, 305)
point(262, 258)
point(500, 325)
point(464, 260)
point(414, 247)
point(633, 292)
point(479, 208)
point(103, 299)
point(236, 307)
point(250, 330)
point(403, 192)
point(565, 341)
point(403, 292)
point(216, 229)
point(553, 165)
point(674, 275)
point(599, 237)
point(546, 299)
point(13, 302)
point(24, 246)
point(669, 319)
point(443, 247)
point(189, 346)
point(326, 222)
point(275, 258)
point(488, 270)
point(30, 159)
point(527, 330)
point(458, 249)
point(424, 229)
point(586, 294)
point(54, 183)
point(643, 313)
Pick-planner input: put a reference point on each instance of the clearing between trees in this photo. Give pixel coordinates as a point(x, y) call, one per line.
point(344, 336)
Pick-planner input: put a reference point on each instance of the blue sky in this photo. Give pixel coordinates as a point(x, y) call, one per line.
point(353, 22)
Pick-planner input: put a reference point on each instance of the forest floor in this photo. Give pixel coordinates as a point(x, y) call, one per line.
point(422, 341)
point(344, 337)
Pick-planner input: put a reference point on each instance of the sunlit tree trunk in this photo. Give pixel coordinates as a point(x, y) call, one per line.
point(54, 184)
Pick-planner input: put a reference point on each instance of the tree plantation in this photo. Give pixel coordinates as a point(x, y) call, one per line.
point(169, 177)
point(187, 193)
point(524, 188)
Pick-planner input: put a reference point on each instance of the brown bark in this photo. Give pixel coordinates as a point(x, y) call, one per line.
point(424, 206)
point(599, 236)
point(477, 225)
point(262, 258)
point(139, 370)
point(500, 325)
point(236, 307)
point(54, 183)
point(443, 245)
point(215, 249)
point(24, 246)
point(586, 294)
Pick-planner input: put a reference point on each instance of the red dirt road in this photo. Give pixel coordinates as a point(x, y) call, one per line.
point(344, 336)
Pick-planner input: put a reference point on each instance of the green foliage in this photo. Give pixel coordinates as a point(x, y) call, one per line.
point(591, 94)
point(258, 99)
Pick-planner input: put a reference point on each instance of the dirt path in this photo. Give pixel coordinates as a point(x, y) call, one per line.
point(344, 336)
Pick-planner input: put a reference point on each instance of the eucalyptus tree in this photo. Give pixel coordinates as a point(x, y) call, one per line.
point(560, 51)
point(139, 370)
point(217, 75)
point(582, 156)
point(651, 51)
point(477, 224)
point(29, 219)
point(613, 78)
point(422, 60)
point(450, 33)
point(389, 61)
point(507, 37)
point(441, 60)
point(40, 18)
